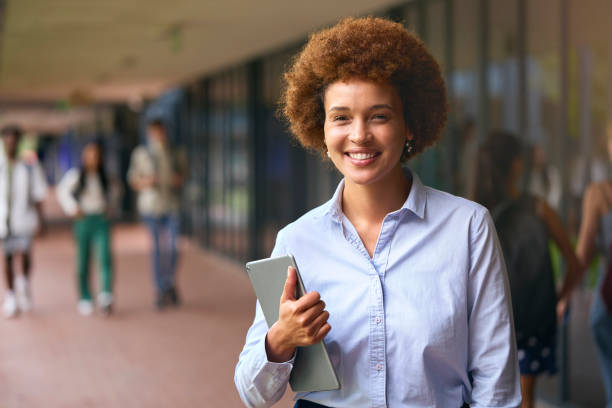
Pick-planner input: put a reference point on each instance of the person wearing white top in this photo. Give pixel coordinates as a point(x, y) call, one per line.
point(83, 195)
point(22, 190)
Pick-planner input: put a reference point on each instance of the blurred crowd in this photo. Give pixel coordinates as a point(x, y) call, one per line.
point(523, 192)
point(88, 195)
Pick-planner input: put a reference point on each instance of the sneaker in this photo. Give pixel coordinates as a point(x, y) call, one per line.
point(105, 303)
point(9, 308)
point(173, 297)
point(161, 301)
point(24, 300)
point(85, 307)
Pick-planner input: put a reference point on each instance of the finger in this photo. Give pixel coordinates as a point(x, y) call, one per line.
point(310, 314)
point(289, 289)
point(323, 331)
point(307, 301)
point(318, 322)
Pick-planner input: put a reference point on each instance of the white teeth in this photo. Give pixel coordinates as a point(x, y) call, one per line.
point(361, 156)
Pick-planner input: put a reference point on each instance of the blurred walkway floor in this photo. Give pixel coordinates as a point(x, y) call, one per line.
point(52, 357)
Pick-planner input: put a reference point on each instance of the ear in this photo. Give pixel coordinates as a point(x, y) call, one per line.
point(409, 135)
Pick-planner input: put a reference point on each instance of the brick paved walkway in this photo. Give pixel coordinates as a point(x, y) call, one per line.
point(52, 357)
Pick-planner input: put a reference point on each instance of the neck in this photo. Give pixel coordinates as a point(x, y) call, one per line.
point(372, 202)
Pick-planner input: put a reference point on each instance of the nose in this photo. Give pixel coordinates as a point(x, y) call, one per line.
point(359, 132)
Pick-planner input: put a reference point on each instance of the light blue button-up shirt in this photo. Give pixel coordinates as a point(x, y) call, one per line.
point(425, 322)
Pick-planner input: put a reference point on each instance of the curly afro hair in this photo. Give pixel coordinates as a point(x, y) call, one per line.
point(373, 49)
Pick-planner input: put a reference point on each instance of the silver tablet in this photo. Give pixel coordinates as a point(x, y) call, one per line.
point(312, 370)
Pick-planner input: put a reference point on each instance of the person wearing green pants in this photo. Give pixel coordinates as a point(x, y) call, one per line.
point(92, 231)
point(83, 194)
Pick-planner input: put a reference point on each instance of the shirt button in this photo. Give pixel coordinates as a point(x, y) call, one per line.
point(379, 367)
point(378, 320)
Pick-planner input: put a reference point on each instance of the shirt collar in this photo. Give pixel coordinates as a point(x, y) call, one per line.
point(417, 198)
point(415, 203)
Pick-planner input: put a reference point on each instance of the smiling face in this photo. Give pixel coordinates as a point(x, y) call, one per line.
point(364, 128)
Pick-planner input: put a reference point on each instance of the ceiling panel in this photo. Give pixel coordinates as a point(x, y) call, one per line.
point(122, 49)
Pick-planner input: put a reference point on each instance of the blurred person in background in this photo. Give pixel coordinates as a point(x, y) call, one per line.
point(84, 194)
point(525, 224)
point(544, 180)
point(157, 172)
point(413, 278)
point(22, 190)
point(596, 236)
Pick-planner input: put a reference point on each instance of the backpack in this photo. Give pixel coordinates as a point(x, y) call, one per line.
point(524, 239)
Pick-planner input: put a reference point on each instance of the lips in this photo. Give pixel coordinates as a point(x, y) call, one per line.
point(362, 158)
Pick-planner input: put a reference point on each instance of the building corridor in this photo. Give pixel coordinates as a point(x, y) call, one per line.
point(139, 357)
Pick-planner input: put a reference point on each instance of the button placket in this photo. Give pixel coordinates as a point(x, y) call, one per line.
point(376, 307)
point(377, 341)
point(378, 358)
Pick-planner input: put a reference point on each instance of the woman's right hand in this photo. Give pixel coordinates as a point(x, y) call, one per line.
point(301, 322)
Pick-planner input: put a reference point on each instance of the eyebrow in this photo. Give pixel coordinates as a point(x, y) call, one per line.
point(345, 108)
point(384, 105)
point(338, 108)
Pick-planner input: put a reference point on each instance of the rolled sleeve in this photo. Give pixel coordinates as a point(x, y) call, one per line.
point(493, 361)
point(261, 383)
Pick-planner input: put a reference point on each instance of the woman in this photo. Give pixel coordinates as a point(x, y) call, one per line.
point(413, 278)
point(525, 225)
point(83, 194)
point(596, 227)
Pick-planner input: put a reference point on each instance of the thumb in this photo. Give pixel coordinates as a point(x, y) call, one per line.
point(289, 290)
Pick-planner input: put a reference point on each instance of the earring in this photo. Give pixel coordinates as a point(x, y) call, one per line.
point(328, 154)
point(409, 145)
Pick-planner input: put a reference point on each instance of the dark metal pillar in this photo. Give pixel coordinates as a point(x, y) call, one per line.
point(257, 157)
point(422, 19)
point(483, 69)
point(523, 107)
point(204, 125)
point(452, 135)
point(521, 29)
point(564, 139)
point(585, 73)
point(609, 110)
